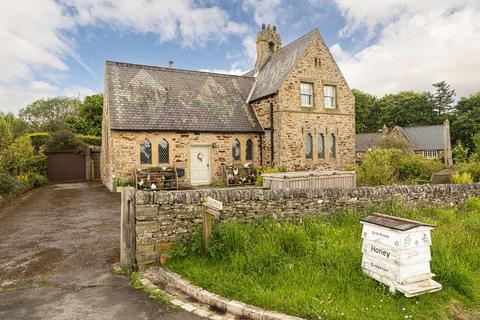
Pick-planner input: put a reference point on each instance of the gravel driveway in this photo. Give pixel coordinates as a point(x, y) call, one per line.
point(57, 245)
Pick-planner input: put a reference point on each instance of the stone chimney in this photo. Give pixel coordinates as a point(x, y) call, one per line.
point(268, 41)
point(447, 144)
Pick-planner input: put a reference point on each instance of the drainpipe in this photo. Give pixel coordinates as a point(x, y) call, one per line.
point(261, 150)
point(271, 135)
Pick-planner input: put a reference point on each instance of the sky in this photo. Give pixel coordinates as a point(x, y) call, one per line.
point(59, 47)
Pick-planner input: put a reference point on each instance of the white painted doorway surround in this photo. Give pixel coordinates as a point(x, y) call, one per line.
point(200, 173)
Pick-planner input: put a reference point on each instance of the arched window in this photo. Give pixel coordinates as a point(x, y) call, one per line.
point(249, 150)
point(308, 146)
point(163, 152)
point(320, 147)
point(332, 146)
point(236, 150)
point(145, 152)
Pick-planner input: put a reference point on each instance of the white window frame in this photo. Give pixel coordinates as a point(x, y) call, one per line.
point(305, 93)
point(329, 100)
point(430, 154)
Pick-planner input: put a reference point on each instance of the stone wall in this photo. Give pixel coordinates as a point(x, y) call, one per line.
point(295, 120)
point(164, 217)
point(125, 151)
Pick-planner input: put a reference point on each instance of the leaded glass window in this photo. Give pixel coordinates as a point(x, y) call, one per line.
point(236, 150)
point(308, 146)
point(163, 152)
point(320, 147)
point(249, 151)
point(145, 152)
point(332, 147)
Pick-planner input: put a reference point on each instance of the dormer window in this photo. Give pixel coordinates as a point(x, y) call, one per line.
point(306, 94)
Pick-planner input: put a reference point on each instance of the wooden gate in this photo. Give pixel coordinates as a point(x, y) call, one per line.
point(65, 167)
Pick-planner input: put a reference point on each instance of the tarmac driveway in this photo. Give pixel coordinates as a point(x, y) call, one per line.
point(57, 246)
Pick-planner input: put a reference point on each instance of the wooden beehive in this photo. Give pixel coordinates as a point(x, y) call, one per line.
point(396, 252)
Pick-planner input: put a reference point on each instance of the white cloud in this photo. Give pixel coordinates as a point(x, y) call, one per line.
point(264, 11)
point(14, 97)
point(418, 47)
point(37, 36)
point(233, 70)
point(169, 20)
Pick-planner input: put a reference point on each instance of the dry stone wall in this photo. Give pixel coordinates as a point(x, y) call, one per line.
point(164, 217)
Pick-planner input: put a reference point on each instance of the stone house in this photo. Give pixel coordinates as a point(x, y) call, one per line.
point(432, 142)
point(294, 109)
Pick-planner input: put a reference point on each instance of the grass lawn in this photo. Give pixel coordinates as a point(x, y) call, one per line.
point(312, 268)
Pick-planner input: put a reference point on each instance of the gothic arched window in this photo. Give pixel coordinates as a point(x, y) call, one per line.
point(320, 147)
point(236, 150)
point(308, 146)
point(249, 150)
point(163, 152)
point(332, 150)
point(145, 152)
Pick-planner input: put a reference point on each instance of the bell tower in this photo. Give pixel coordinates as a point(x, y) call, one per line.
point(268, 41)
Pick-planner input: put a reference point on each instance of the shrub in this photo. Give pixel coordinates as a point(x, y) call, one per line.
point(260, 170)
point(64, 140)
point(90, 140)
point(119, 182)
point(472, 168)
point(380, 167)
point(460, 152)
point(462, 178)
point(38, 139)
point(414, 168)
point(10, 185)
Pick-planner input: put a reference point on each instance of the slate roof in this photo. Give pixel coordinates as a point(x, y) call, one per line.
point(278, 65)
point(153, 98)
point(420, 137)
point(425, 137)
point(364, 141)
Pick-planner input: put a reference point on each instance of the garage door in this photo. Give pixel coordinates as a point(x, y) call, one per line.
point(66, 166)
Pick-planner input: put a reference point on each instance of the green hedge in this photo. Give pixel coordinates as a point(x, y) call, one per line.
point(90, 140)
point(39, 138)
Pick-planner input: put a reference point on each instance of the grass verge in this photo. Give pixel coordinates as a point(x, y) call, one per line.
point(312, 267)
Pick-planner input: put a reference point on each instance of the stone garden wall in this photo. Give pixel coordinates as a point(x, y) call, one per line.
point(163, 217)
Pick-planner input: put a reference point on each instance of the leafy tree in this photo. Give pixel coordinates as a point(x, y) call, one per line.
point(50, 114)
point(366, 112)
point(443, 98)
point(460, 152)
point(465, 122)
point(392, 142)
point(89, 119)
point(18, 126)
point(6, 134)
point(407, 108)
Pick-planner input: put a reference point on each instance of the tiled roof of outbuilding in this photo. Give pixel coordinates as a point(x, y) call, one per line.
point(153, 98)
point(365, 141)
point(425, 137)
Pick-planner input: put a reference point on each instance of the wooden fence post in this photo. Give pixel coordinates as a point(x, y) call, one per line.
point(127, 228)
point(211, 207)
point(206, 229)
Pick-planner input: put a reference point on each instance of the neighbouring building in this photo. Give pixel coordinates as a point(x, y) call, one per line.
point(432, 142)
point(294, 109)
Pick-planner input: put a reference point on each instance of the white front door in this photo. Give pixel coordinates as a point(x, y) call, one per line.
point(200, 165)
